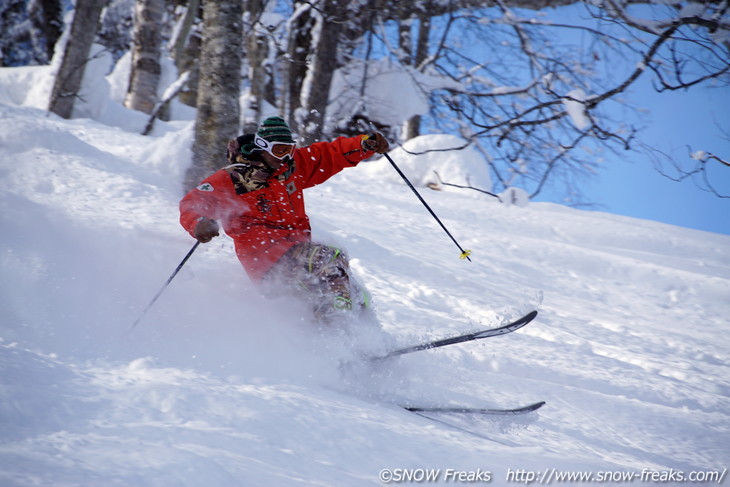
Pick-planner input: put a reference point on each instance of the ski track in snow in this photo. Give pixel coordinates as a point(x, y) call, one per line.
point(218, 387)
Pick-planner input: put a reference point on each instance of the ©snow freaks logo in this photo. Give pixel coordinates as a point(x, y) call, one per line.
point(207, 187)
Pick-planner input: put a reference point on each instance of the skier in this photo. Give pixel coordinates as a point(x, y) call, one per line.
point(259, 201)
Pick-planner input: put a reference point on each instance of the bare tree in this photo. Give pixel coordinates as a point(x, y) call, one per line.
point(46, 17)
point(412, 126)
point(538, 108)
point(146, 45)
point(296, 61)
point(261, 51)
point(185, 48)
point(75, 56)
point(538, 91)
point(317, 83)
point(218, 113)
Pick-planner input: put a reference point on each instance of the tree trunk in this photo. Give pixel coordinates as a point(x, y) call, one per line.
point(259, 71)
point(295, 67)
point(75, 56)
point(186, 51)
point(405, 23)
point(46, 17)
point(412, 126)
point(218, 113)
point(145, 74)
point(319, 76)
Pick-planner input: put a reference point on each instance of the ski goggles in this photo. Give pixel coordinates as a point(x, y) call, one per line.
point(276, 149)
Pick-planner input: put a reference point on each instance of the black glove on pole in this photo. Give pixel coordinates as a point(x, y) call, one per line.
point(464, 253)
point(166, 284)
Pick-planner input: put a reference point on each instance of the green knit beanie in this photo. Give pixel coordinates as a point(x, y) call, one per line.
point(275, 129)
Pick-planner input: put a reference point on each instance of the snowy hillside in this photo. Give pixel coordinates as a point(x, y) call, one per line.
point(218, 387)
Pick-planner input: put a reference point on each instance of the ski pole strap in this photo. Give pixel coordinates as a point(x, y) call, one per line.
point(464, 253)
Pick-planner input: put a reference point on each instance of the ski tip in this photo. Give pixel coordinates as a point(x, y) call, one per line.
point(524, 409)
point(537, 405)
point(520, 322)
point(530, 316)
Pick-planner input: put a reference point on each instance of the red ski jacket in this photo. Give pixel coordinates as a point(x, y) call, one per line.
point(264, 223)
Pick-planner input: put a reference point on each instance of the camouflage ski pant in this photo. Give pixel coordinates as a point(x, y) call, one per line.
point(320, 274)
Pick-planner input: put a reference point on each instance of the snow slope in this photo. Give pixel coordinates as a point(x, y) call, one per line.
point(218, 387)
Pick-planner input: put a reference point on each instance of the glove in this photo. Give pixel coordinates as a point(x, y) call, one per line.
point(375, 142)
point(205, 229)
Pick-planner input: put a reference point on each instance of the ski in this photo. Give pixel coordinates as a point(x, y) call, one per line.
point(468, 410)
point(501, 330)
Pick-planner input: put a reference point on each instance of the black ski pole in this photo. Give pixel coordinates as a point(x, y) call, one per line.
point(464, 253)
point(166, 284)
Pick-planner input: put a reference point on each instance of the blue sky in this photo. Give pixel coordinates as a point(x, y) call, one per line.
point(629, 185)
point(675, 120)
